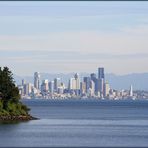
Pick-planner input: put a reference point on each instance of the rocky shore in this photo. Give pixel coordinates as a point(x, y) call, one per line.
point(17, 118)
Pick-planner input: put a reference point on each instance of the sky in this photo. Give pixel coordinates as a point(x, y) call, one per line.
point(63, 37)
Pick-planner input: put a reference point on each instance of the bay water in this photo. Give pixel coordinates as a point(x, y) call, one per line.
point(80, 123)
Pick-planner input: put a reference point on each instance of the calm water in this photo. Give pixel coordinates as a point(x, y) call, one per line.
point(80, 123)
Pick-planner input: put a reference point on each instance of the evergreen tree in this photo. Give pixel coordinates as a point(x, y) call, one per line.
point(9, 93)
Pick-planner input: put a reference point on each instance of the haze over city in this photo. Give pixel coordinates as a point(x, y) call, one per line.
point(63, 37)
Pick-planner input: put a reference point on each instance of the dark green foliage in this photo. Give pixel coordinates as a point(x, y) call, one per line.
point(9, 95)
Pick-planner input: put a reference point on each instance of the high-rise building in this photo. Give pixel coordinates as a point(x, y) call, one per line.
point(106, 89)
point(44, 86)
point(96, 86)
point(92, 88)
point(101, 73)
point(101, 86)
point(82, 88)
point(37, 80)
point(77, 81)
point(57, 83)
point(93, 76)
point(87, 81)
point(27, 89)
point(74, 83)
point(51, 87)
point(23, 82)
point(101, 78)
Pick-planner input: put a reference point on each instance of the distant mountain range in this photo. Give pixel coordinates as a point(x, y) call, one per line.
point(138, 80)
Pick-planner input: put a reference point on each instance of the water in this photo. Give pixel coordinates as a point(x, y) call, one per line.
point(80, 123)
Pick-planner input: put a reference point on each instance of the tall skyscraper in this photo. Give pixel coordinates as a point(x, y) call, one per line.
point(57, 83)
point(93, 76)
point(101, 73)
point(37, 80)
point(74, 83)
point(23, 82)
point(87, 81)
point(101, 78)
point(51, 87)
point(92, 88)
point(44, 86)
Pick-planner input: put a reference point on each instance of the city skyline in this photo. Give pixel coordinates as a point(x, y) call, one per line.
point(74, 36)
point(86, 87)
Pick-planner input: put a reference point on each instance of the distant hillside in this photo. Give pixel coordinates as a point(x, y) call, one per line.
point(138, 80)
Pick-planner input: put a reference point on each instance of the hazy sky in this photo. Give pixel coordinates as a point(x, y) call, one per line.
point(74, 36)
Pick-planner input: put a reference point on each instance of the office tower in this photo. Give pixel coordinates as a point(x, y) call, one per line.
point(57, 83)
point(93, 76)
point(44, 86)
point(101, 86)
point(106, 89)
point(82, 88)
point(96, 86)
point(92, 88)
point(23, 82)
point(101, 73)
point(101, 78)
point(74, 83)
point(51, 87)
point(77, 81)
point(37, 80)
point(87, 81)
point(61, 88)
point(131, 91)
point(27, 89)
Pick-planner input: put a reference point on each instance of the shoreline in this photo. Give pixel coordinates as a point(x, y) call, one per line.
point(20, 118)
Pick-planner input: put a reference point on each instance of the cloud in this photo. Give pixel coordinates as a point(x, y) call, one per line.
point(82, 42)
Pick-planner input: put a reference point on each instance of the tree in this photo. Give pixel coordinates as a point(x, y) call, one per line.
point(8, 90)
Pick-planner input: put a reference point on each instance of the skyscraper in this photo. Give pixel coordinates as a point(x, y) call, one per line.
point(51, 87)
point(57, 83)
point(74, 83)
point(106, 89)
point(87, 81)
point(93, 76)
point(37, 80)
point(101, 73)
point(101, 78)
